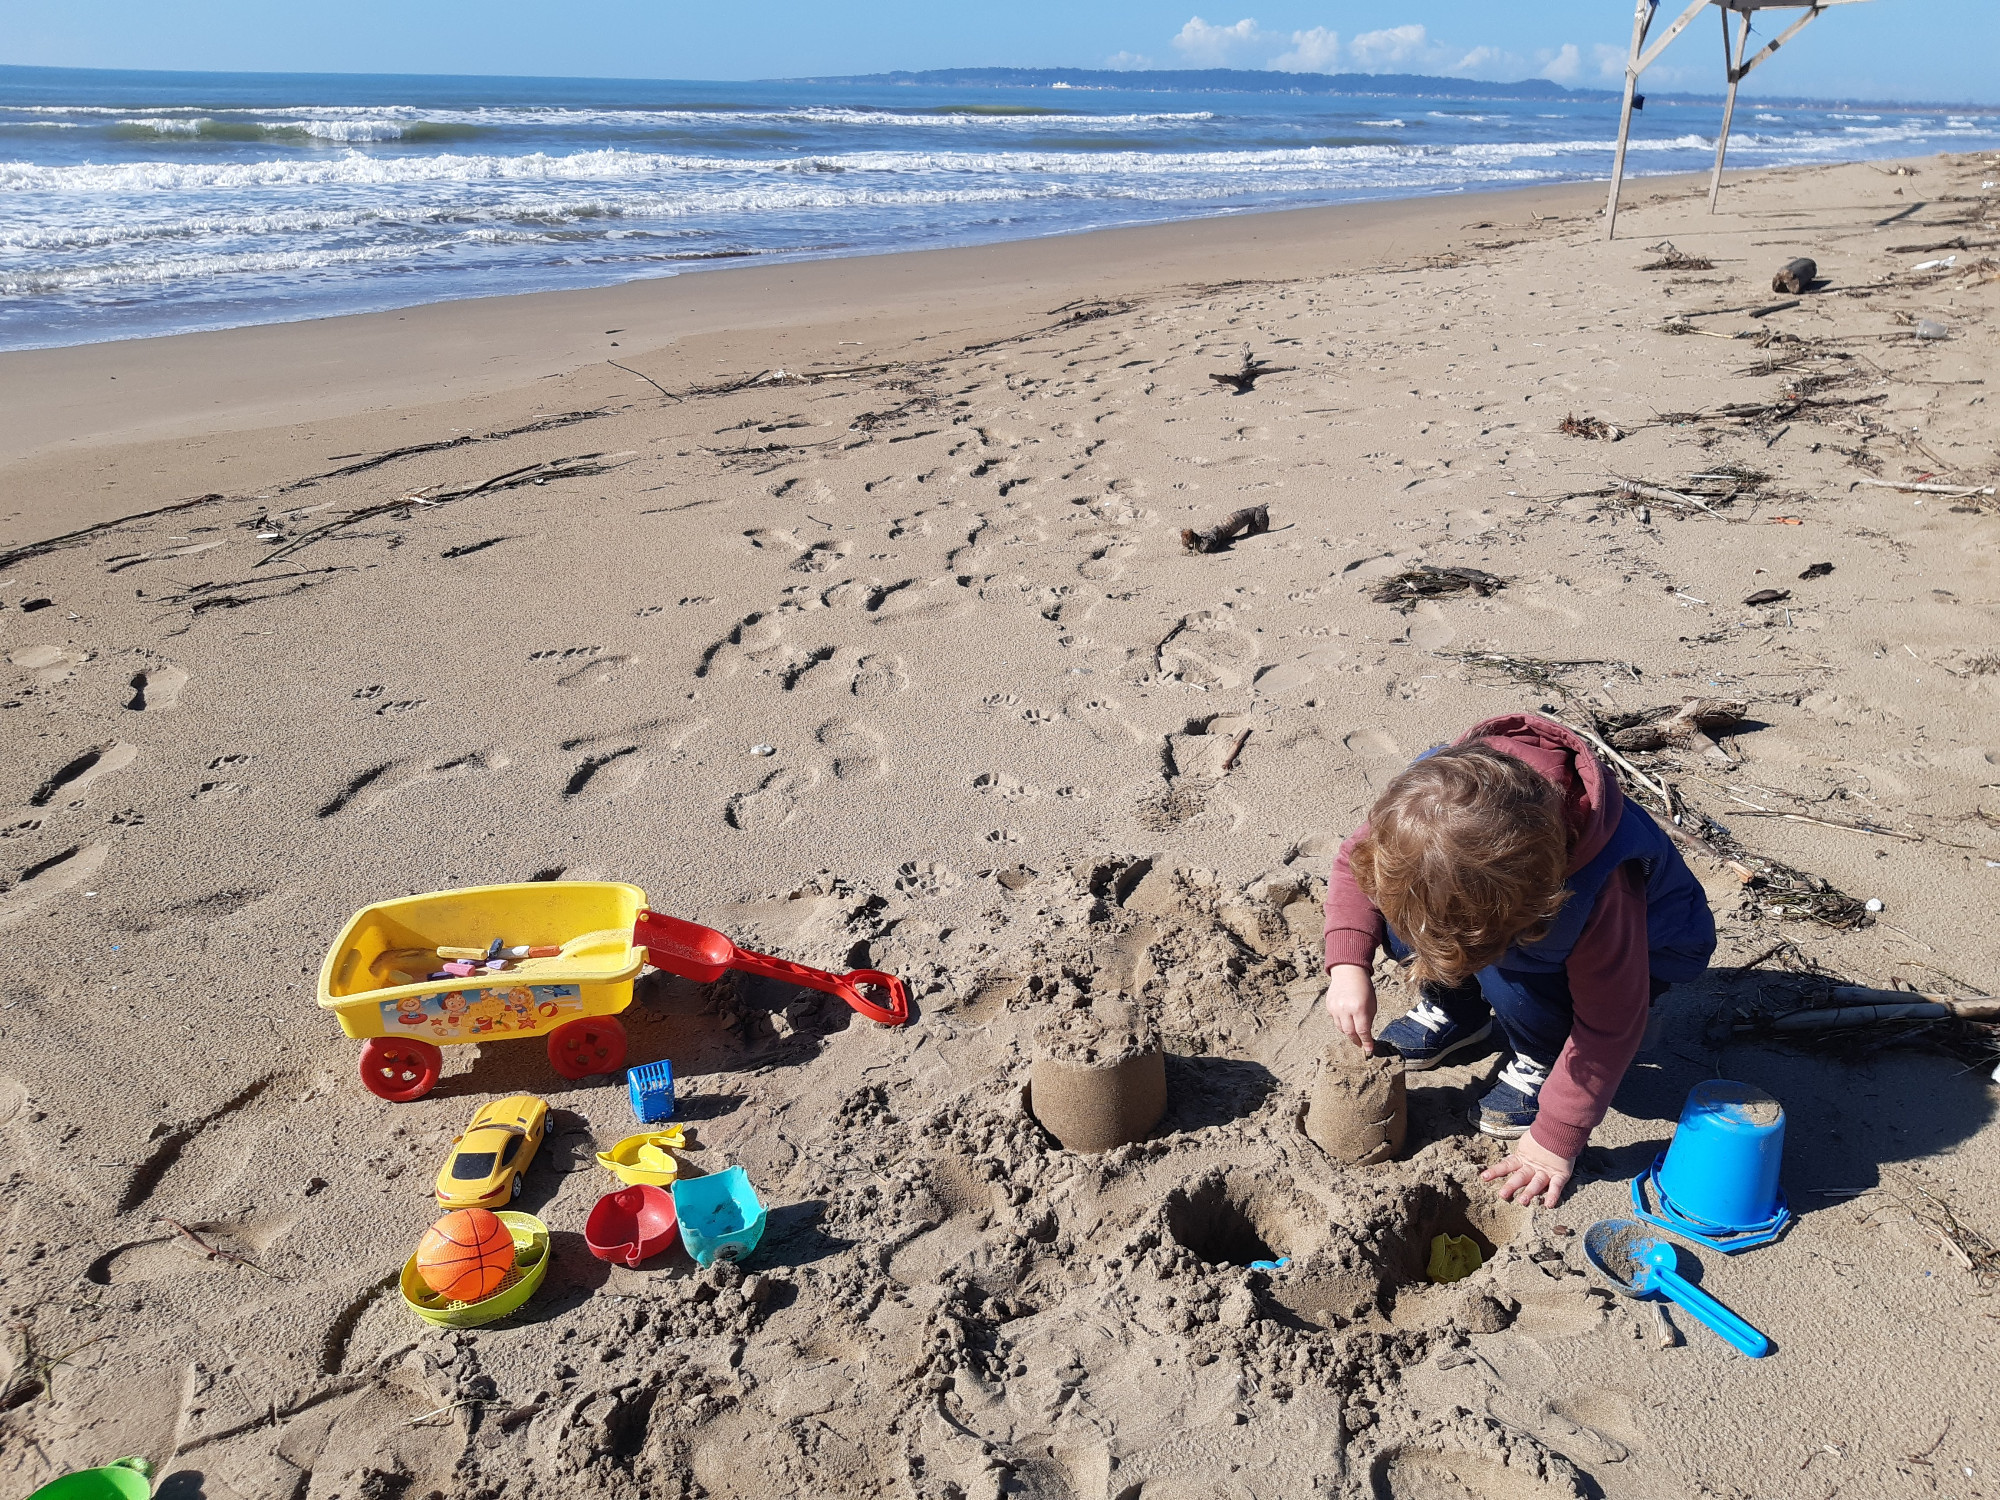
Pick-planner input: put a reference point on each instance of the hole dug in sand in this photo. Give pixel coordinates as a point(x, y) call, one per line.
point(1433, 1208)
point(1231, 1221)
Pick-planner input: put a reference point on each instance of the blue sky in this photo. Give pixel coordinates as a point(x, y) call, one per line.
point(1885, 49)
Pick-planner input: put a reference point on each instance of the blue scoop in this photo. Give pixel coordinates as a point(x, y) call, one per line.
point(1640, 1266)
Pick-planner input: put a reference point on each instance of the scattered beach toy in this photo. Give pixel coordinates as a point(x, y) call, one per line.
point(531, 1264)
point(1453, 1258)
point(489, 1163)
point(705, 955)
point(1639, 1265)
point(1359, 1113)
point(122, 1479)
point(1271, 1265)
point(460, 968)
point(1099, 1078)
point(652, 1089)
point(633, 1224)
point(465, 1255)
point(1717, 1181)
point(719, 1215)
point(646, 1158)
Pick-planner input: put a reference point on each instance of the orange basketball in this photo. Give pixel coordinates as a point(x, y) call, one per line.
point(466, 1255)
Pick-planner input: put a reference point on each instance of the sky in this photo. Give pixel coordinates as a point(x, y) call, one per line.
point(1940, 50)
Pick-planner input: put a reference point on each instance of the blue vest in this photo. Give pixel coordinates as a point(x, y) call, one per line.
point(1680, 929)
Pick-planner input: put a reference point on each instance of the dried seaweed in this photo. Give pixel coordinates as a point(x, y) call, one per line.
point(1536, 671)
point(1252, 520)
point(1407, 588)
point(1589, 427)
point(1676, 260)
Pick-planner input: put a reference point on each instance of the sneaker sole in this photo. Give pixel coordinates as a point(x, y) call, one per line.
point(1501, 1131)
point(1412, 1065)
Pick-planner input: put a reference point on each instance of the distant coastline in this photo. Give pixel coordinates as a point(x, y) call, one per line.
point(1348, 85)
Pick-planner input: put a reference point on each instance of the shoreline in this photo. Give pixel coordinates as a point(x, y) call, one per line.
point(364, 366)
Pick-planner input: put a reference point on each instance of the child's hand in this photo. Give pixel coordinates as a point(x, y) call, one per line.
point(1532, 1171)
point(1350, 1000)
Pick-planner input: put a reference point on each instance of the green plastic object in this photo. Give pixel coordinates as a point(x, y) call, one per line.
point(127, 1479)
point(1453, 1258)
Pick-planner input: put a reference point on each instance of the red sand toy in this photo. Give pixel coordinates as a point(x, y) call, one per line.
point(585, 942)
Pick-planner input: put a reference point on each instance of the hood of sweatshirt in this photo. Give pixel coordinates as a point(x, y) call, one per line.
point(1593, 802)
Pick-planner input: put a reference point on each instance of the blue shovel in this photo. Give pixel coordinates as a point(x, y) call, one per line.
point(1639, 1265)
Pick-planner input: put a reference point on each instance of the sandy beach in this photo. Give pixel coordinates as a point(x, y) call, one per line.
point(303, 617)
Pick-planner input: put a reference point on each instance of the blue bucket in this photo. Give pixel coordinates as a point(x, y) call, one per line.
point(719, 1215)
point(1718, 1180)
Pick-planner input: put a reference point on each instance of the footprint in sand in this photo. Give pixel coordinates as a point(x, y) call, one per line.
point(157, 688)
point(50, 664)
point(41, 883)
point(367, 790)
point(607, 772)
point(219, 791)
point(878, 676)
point(1205, 650)
point(821, 556)
point(1428, 628)
point(92, 766)
point(1107, 562)
point(1102, 717)
point(754, 634)
point(924, 878)
point(1374, 744)
point(773, 803)
point(597, 671)
point(1005, 787)
point(856, 749)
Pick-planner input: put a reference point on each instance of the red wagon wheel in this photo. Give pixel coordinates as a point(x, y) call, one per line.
point(593, 1044)
point(399, 1069)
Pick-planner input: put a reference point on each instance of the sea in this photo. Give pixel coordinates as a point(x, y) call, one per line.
point(136, 204)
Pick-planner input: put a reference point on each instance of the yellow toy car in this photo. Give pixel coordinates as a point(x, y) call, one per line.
point(488, 1162)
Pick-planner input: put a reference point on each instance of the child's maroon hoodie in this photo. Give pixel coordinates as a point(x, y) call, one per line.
point(1607, 969)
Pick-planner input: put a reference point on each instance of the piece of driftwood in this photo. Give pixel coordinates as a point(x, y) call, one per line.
point(1884, 1005)
point(1956, 491)
point(1252, 520)
point(1796, 276)
point(1656, 728)
point(1406, 588)
point(1241, 379)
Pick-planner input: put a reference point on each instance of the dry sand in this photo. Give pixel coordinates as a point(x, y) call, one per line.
point(936, 565)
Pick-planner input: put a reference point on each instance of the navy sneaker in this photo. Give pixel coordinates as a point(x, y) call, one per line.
point(1427, 1036)
point(1510, 1106)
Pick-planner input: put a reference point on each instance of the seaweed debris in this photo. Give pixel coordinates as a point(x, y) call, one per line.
point(1407, 588)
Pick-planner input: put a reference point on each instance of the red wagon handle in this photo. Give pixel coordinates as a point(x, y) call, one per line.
point(703, 954)
point(850, 986)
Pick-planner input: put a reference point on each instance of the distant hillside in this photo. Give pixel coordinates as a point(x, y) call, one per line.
point(1221, 81)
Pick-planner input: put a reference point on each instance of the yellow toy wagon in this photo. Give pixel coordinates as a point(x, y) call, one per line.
point(562, 966)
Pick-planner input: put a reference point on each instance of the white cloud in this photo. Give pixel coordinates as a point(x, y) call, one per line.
point(1128, 62)
point(1394, 47)
point(1565, 65)
point(1611, 62)
point(1221, 46)
point(1315, 51)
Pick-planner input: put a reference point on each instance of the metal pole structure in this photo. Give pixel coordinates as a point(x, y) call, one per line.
point(1736, 71)
point(1642, 20)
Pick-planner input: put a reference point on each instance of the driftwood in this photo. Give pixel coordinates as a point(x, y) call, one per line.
point(1858, 1006)
point(1656, 728)
point(1252, 520)
point(1241, 379)
point(1796, 276)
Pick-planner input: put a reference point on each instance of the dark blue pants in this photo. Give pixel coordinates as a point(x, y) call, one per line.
point(1534, 1011)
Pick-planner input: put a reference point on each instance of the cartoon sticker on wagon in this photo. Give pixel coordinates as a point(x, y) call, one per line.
point(463, 1014)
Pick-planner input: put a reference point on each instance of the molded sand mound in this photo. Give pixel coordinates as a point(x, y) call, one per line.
point(1099, 1078)
point(1360, 1110)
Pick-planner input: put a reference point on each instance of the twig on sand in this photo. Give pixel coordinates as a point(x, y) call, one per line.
point(580, 466)
point(645, 377)
point(1956, 491)
point(1863, 828)
point(1244, 377)
point(1229, 760)
point(78, 537)
point(214, 1252)
point(365, 462)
